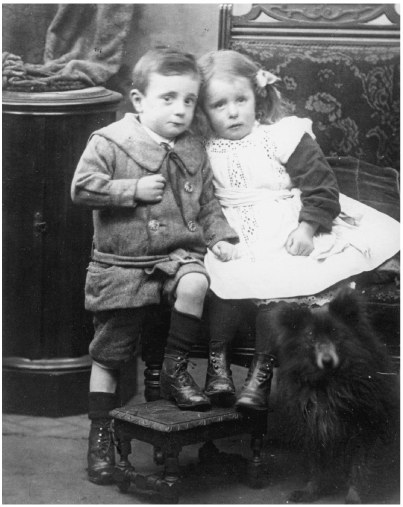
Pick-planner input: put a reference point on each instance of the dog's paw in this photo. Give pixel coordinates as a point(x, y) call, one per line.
point(352, 496)
point(301, 496)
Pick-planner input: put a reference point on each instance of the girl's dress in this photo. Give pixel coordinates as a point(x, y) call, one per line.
point(262, 205)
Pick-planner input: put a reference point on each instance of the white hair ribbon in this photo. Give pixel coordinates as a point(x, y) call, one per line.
point(264, 78)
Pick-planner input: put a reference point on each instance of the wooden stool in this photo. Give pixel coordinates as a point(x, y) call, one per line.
point(162, 424)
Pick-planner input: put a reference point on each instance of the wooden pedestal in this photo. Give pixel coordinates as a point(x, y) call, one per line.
point(46, 248)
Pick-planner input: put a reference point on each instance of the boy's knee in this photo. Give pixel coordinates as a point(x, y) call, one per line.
point(192, 285)
point(107, 357)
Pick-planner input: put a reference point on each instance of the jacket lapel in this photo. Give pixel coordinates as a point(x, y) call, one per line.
point(131, 138)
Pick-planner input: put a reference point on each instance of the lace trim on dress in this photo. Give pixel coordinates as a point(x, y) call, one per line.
point(260, 137)
point(249, 228)
point(315, 300)
point(235, 172)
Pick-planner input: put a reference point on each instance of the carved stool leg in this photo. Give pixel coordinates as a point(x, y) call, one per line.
point(125, 473)
point(159, 457)
point(254, 470)
point(123, 468)
point(171, 485)
point(152, 381)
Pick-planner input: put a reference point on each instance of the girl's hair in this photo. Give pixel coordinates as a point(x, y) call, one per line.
point(165, 61)
point(270, 105)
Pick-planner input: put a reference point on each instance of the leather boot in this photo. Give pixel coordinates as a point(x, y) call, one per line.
point(256, 390)
point(219, 385)
point(178, 385)
point(101, 452)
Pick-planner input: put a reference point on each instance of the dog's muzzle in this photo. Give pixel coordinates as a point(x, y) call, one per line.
point(326, 355)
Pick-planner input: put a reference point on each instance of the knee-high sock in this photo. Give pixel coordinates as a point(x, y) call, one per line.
point(224, 318)
point(184, 331)
point(100, 404)
point(265, 337)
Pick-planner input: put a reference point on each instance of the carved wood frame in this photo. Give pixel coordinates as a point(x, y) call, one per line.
point(341, 22)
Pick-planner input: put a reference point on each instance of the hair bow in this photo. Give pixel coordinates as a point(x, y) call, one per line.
point(264, 78)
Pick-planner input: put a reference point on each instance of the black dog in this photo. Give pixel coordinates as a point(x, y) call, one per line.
point(337, 390)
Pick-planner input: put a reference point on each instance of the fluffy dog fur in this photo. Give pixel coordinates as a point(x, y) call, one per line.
point(337, 390)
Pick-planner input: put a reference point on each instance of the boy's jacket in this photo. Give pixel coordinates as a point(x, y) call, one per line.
point(188, 217)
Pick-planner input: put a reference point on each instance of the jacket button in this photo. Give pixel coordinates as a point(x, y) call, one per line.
point(191, 226)
point(153, 225)
point(188, 187)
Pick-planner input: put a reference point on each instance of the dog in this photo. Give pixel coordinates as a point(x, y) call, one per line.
point(337, 390)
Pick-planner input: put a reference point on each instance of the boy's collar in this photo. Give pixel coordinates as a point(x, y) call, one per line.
point(157, 138)
point(133, 139)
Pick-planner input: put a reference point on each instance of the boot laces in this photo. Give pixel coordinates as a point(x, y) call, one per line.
point(185, 376)
point(182, 371)
point(104, 438)
point(262, 372)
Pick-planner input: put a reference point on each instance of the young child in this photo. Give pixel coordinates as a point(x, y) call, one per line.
point(280, 195)
point(150, 185)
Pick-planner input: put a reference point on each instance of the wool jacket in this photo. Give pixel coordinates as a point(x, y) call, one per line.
point(188, 217)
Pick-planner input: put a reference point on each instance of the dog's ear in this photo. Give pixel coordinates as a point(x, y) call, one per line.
point(289, 318)
point(347, 306)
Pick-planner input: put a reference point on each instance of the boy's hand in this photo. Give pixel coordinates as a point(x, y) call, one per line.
point(150, 188)
point(225, 251)
point(300, 241)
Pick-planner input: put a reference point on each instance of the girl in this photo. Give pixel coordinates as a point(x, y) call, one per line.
point(298, 235)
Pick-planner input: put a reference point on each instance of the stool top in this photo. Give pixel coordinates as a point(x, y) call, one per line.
point(163, 415)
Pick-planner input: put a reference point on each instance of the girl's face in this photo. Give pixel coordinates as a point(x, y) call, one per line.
point(230, 107)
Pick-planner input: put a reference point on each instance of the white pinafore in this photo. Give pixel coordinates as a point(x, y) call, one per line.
point(262, 206)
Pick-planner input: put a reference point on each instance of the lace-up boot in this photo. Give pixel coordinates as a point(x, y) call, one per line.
point(178, 385)
point(256, 390)
point(219, 385)
point(101, 452)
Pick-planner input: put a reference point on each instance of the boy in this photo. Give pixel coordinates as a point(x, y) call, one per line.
point(150, 184)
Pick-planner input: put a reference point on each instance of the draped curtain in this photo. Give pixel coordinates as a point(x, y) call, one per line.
point(83, 47)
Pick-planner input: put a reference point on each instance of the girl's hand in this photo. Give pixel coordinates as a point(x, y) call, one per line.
point(224, 251)
point(300, 241)
point(150, 188)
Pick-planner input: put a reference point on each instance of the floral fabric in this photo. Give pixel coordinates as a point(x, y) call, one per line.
point(350, 92)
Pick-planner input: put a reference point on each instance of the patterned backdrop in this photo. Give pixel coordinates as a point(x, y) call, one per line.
point(351, 93)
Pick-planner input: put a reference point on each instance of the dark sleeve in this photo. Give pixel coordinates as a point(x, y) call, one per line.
point(311, 173)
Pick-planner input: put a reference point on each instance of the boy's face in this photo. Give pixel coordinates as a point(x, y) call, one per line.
point(168, 104)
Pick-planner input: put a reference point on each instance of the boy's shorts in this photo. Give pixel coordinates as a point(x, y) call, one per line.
point(111, 287)
point(120, 299)
point(117, 335)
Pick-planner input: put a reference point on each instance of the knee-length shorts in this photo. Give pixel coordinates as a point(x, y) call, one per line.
point(123, 300)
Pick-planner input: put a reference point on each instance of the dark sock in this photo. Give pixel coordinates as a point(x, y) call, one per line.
point(224, 318)
point(265, 337)
point(183, 332)
point(100, 404)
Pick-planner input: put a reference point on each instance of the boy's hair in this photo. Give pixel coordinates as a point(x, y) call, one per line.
point(165, 61)
point(269, 109)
